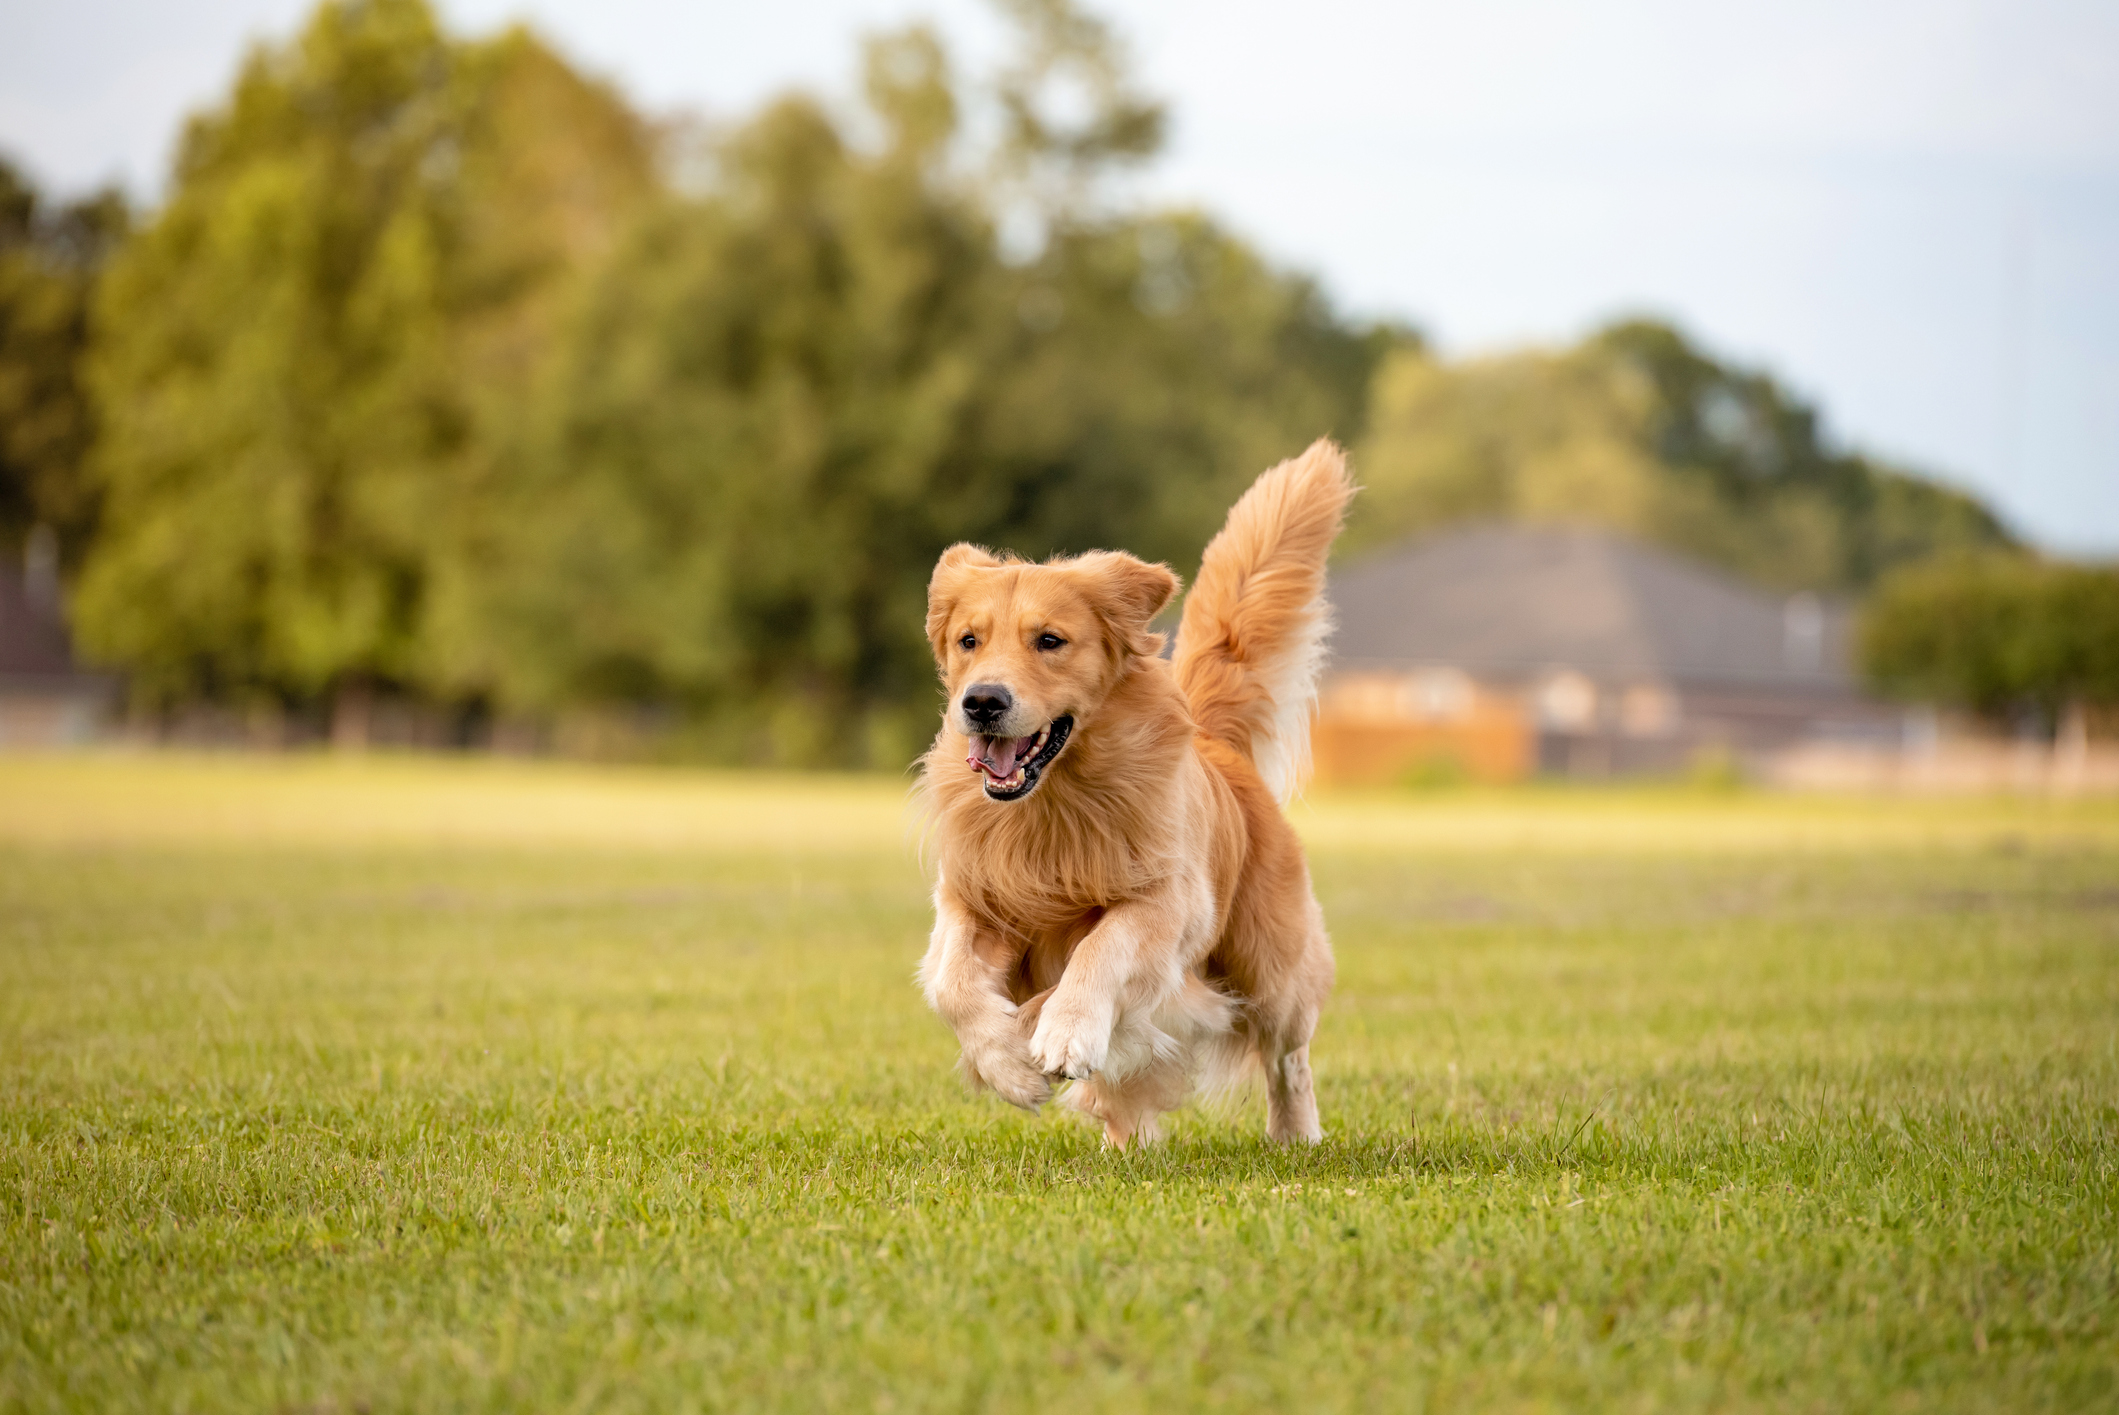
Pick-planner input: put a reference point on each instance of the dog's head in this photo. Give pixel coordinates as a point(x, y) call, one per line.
point(1029, 652)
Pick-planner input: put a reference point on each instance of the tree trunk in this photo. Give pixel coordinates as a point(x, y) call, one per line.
point(352, 714)
point(2071, 748)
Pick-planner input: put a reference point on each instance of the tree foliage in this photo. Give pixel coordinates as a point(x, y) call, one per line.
point(425, 378)
point(788, 393)
point(2001, 635)
point(442, 373)
point(760, 420)
point(1070, 113)
point(1637, 430)
point(50, 259)
point(317, 346)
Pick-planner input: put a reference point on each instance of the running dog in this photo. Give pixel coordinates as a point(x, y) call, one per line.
point(1119, 900)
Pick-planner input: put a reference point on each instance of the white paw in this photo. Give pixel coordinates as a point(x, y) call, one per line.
point(1072, 1039)
point(996, 1057)
point(1010, 1075)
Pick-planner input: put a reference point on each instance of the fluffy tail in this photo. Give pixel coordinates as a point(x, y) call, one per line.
point(1252, 638)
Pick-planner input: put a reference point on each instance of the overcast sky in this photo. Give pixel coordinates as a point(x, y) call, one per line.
point(1908, 211)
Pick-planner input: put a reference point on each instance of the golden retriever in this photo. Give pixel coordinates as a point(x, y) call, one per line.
point(1119, 900)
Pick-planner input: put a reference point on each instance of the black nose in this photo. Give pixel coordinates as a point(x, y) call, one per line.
point(987, 703)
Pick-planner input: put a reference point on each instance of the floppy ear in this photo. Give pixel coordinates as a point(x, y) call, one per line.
point(947, 584)
point(1128, 593)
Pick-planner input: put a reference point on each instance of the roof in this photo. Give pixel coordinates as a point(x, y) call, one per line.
point(1516, 601)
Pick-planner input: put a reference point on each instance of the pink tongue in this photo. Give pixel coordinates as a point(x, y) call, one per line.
point(996, 756)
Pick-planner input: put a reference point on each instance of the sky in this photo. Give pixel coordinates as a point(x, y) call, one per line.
point(1907, 211)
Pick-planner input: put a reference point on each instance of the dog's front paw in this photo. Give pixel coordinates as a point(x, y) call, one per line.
point(1001, 1063)
point(1073, 1038)
point(1014, 1080)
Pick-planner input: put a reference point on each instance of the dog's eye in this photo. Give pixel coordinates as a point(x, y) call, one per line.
point(1049, 642)
point(968, 642)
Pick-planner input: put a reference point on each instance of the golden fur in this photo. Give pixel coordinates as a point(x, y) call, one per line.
point(1141, 921)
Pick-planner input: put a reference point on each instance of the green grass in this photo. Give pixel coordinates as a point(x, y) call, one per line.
point(418, 1086)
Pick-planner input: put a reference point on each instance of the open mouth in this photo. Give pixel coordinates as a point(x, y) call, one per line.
point(1012, 765)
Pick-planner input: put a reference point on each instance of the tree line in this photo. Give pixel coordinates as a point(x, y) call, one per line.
point(442, 373)
point(2021, 641)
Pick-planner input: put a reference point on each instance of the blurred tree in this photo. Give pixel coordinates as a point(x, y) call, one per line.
point(792, 390)
point(1154, 363)
point(49, 263)
point(555, 172)
point(1155, 366)
point(759, 423)
point(308, 358)
point(421, 378)
point(1637, 430)
point(2004, 635)
point(425, 378)
point(1071, 116)
point(1760, 450)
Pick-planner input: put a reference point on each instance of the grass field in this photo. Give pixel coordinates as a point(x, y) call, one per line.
point(421, 1086)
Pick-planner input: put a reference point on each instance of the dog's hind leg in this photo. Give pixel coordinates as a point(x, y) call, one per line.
point(1284, 1019)
point(1291, 1097)
point(1280, 1025)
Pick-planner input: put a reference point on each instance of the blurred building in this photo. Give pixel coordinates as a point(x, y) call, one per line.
point(46, 699)
point(1500, 652)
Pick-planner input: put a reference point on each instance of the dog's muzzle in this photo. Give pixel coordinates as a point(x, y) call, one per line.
point(1012, 766)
